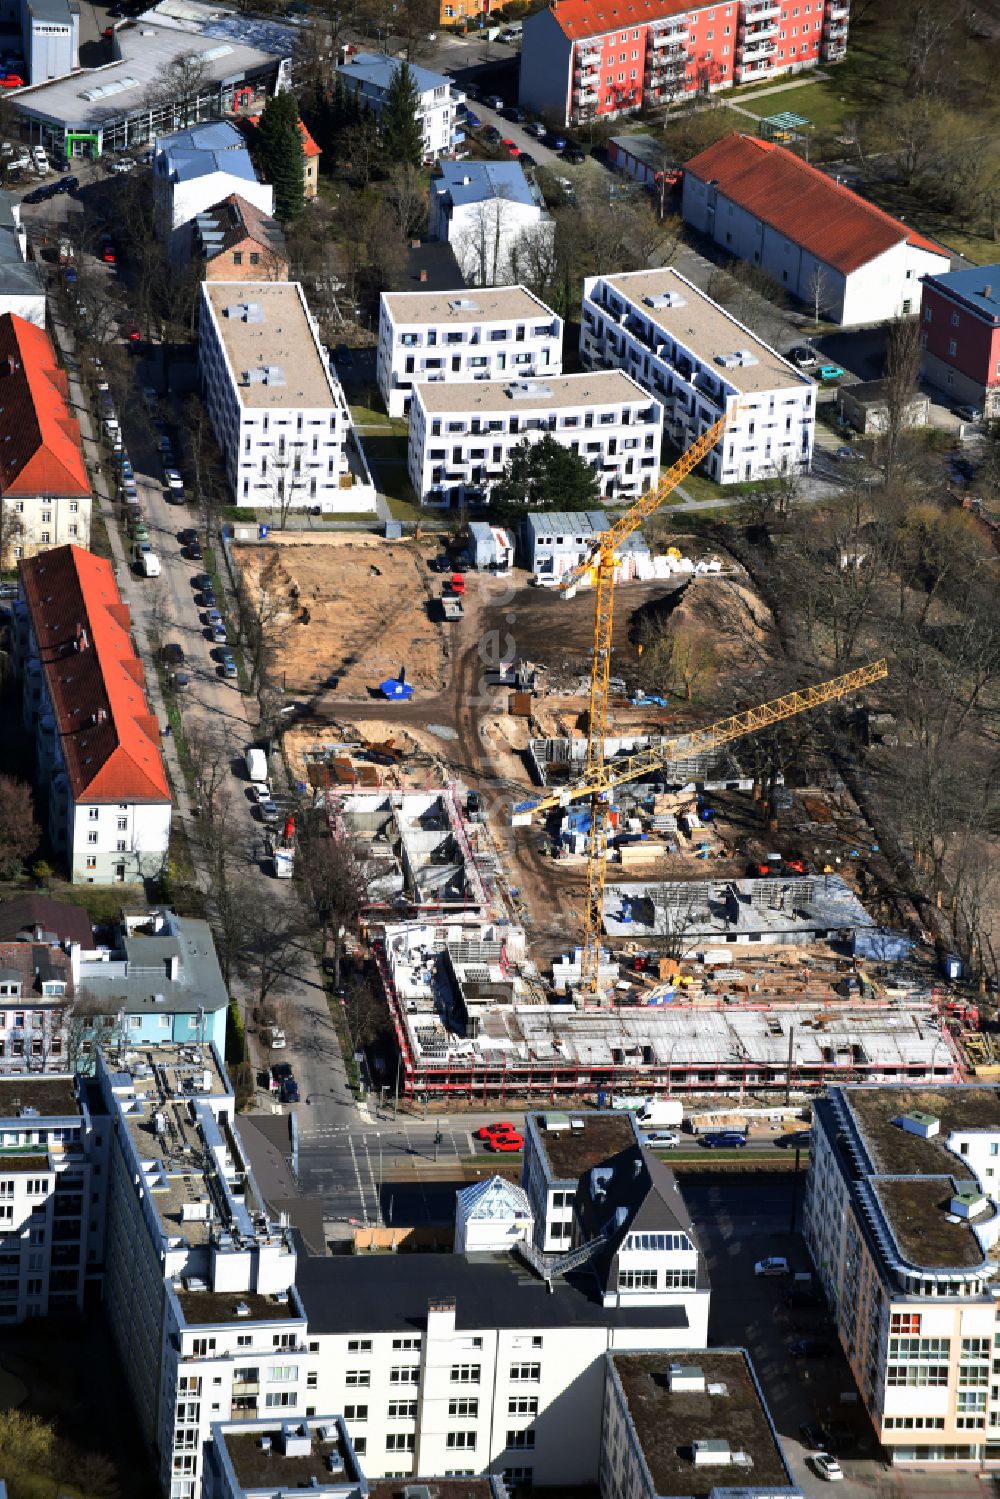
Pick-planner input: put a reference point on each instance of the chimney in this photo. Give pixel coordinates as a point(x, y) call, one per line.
point(987, 291)
point(423, 275)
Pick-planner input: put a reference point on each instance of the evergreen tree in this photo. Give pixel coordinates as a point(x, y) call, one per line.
point(282, 160)
point(402, 133)
point(544, 476)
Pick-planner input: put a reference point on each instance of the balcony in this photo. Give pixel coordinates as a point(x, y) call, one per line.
point(755, 51)
point(754, 12)
point(670, 37)
point(838, 12)
point(835, 31)
point(764, 30)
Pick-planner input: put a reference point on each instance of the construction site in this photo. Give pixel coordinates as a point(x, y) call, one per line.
point(578, 883)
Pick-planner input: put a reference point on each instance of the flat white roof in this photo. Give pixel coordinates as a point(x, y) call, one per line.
point(597, 388)
point(476, 305)
point(705, 328)
point(269, 334)
point(145, 52)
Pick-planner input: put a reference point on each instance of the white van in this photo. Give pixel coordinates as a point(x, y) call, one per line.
point(256, 765)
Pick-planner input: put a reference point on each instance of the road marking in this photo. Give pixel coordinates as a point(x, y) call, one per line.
point(357, 1175)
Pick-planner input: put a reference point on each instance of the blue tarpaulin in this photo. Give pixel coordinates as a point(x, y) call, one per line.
point(392, 687)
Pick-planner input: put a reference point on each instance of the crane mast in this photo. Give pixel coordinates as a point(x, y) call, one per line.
point(599, 779)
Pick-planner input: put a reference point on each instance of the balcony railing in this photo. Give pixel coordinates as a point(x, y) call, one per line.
point(835, 30)
point(760, 32)
point(755, 51)
point(757, 12)
point(838, 12)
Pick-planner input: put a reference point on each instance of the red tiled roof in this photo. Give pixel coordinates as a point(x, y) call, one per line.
point(583, 18)
point(41, 453)
point(309, 146)
point(837, 226)
point(110, 740)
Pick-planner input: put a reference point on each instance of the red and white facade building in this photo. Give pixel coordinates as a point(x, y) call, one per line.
point(597, 59)
point(960, 333)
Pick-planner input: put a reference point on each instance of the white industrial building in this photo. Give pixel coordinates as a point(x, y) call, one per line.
point(821, 242)
point(196, 168)
point(368, 77)
point(700, 363)
point(97, 741)
point(492, 333)
point(278, 411)
point(462, 434)
point(494, 219)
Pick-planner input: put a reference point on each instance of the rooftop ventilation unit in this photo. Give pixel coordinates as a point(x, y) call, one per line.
point(245, 312)
point(686, 1379)
point(528, 390)
point(738, 359)
point(213, 53)
point(335, 1462)
point(463, 304)
point(274, 374)
point(711, 1450)
point(252, 377)
point(665, 299)
point(264, 1443)
point(719, 1390)
point(242, 1309)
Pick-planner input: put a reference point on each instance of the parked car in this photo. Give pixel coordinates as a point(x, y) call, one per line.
point(830, 372)
point(515, 114)
point(228, 663)
point(513, 150)
point(108, 252)
point(535, 128)
point(289, 1091)
point(173, 480)
point(269, 812)
point(172, 654)
point(811, 1348)
point(207, 599)
point(803, 357)
point(492, 136)
point(527, 160)
point(814, 1435)
point(662, 1139)
point(842, 455)
point(281, 1071)
point(489, 1130)
point(969, 413)
point(123, 164)
point(213, 618)
point(493, 101)
point(275, 1038)
point(473, 122)
point(193, 551)
point(11, 80)
point(202, 581)
point(574, 155)
point(165, 447)
point(827, 1467)
point(775, 1265)
point(724, 1139)
point(220, 634)
point(39, 159)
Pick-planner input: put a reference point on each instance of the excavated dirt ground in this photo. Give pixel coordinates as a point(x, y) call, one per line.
point(355, 608)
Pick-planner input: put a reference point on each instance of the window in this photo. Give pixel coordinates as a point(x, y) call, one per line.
point(91, 837)
point(466, 1440)
point(918, 1375)
point(465, 1373)
point(312, 1380)
point(400, 1441)
point(405, 1374)
point(93, 813)
point(255, 257)
point(521, 1439)
point(355, 1413)
point(402, 1410)
point(123, 824)
point(360, 1444)
point(469, 1406)
point(406, 1342)
point(281, 1398)
point(358, 1379)
point(904, 1322)
point(237, 257)
point(522, 1373)
point(953, 349)
point(283, 1373)
point(201, 1347)
point(637, 1280)
point(522, 1405)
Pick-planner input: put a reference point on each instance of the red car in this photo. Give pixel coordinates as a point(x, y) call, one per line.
point(511, 149)
point(12, 80)
point(488, 1131)
point(108, 254)
point(505, 1143)
point(134, 335)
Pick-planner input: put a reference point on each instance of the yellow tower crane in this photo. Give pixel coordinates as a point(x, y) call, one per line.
point(599, 779)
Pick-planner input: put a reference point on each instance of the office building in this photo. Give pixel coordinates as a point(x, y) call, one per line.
point(691, 1426)
point(97, 743)
point(462, 434)
point(822, 243)
point(902, 1223)
point(278, 411)
point(700, 364)
point(492, 333)
point(53, 1146)
point(368, 77)
point(584, 60)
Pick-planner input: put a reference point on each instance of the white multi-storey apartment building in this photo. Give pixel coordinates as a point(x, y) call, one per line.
point(369, 75)
point(278, 411)
point(494, 218)
point(97, 743)
point(490, 333)
point(51, 1197)
point(700, 363)
point(461, 435)
point(902, 1221)
point(689, 1426)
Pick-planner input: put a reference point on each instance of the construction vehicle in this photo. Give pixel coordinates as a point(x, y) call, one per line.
point(281, 847)
point(600, 779)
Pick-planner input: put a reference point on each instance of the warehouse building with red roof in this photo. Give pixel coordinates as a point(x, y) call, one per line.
point(97, 743)
point(44, 487)
point(598, 59)
point(761, 203)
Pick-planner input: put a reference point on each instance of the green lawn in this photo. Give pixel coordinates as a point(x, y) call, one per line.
point(371, 416)
point(823, 104)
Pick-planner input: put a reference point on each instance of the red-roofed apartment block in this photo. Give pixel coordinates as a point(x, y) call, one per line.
point(97, 745)
point(763, 204)
point(44, 488)
point(595, 59)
